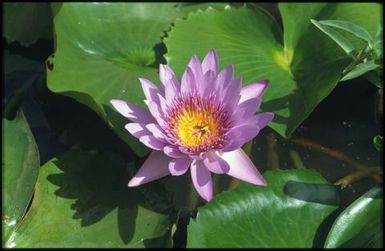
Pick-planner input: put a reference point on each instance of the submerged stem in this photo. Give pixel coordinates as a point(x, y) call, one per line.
point(332, 153)
point(358, 175)
point(296, 159)
point(272, 155)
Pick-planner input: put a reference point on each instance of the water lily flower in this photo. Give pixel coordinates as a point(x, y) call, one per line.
point(199, 123)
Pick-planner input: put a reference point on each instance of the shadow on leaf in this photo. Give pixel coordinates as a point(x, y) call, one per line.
point(98, 182)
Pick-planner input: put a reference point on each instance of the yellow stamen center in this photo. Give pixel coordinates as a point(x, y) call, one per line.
point(196, 128)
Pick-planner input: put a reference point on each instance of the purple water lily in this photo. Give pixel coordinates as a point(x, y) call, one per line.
point(199, 123)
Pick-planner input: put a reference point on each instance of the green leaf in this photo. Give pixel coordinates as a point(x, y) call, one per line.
point(285, 214)
point(26, 23)
point(377, 142)
point(360, 69)
point(360, 224)
point(356, 30)
point(302, 64)
point(20, 168)
point(102, 50)
point(82, 200)
point(337, 37)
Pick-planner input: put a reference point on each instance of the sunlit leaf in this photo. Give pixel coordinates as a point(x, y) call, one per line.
point(301, 63)
point(360, 69)
point(287, 213)
point(360, 224)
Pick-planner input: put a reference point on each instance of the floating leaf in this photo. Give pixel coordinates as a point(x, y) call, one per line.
point(82, 200)
point(285, 214)
point(302, 64)
point(20, 169)
point(26, 23)
point(360, 224)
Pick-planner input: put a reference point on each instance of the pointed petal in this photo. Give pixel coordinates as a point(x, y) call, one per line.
point(150, 90)
point(188, 81)
point(201, 179)
point(253, 90)
point(132, 112)
point(224, 78)
point(247, 130)
point(246, 109)
point(210, 62)
point(155, 167)
point(196, 68)
point(156, 112)
point(170, 82)
point(215, 163)
point(152, 142)
point(157, 132)
point(179, 166)
point(173, 152)
point(208, 84)
point(231, 94)
point(262, 119)
point(137, 130)
point(242, 168)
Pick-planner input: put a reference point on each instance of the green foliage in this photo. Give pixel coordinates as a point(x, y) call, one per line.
point(82, 200)
point(302, 64)
point(27, 22)
point(360, 224)
point(20, 168)
point(285, 214)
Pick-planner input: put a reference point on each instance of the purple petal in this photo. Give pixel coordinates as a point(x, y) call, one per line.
point(179, 166)
point(246, 109)
point(162, 103)
point(242, 168)
point(224, 78)
point(169, 80)
point(155, 167)
point(137, 130)
point(150, 90)
point(132, 112)
point(210, 62)
point(157, 132)
point(239, 136)
point(247, 130)
point(254, 90)
point(173, 152)
point(152, 142)
point(215, 163)
point(262, 119)
point(231, 94)
point(201, 179)
point(188, 81)
point(156, 112)
point(196, 68)
point(208, 85)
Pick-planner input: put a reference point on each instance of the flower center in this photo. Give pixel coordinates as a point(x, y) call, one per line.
point(195, 123)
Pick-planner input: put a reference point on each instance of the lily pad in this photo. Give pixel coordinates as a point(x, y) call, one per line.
point(360, 224)
point(82, 200)
point(26, 23)
point(287, 213)
point(20, 168)
point(302, 64)
point(101, 51)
